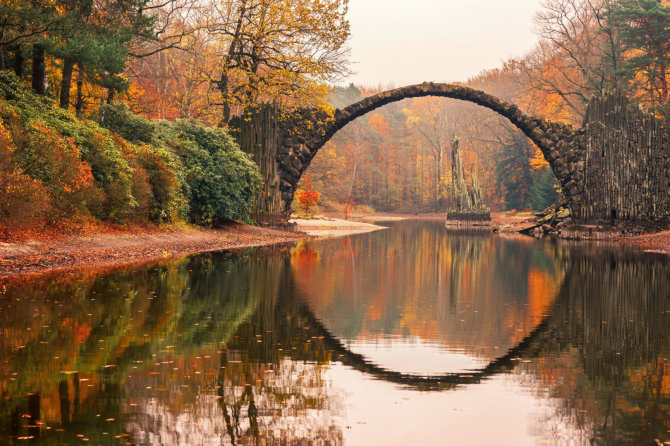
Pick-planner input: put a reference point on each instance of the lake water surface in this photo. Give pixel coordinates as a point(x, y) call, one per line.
point(410, 335)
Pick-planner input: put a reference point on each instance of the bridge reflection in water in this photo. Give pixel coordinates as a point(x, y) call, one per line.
point(242, 348)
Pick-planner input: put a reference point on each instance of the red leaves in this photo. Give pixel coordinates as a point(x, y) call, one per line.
point(306, 195)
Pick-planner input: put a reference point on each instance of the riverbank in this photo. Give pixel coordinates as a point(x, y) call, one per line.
point(103, 249)
point(321, 226)
point(67, 253)
point(514, 222)
point(658, 242)
point(109, 247)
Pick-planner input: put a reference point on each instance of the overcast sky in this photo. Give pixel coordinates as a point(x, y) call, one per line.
point(411, 41)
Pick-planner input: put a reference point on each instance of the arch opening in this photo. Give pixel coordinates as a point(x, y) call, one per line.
point(560, 144)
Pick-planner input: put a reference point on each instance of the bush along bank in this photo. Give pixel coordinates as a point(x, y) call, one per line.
point(120, 168)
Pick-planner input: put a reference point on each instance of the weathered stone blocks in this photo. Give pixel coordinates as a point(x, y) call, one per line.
point(300, 135)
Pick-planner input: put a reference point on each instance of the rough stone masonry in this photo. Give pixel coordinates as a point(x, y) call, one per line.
point(636, 144)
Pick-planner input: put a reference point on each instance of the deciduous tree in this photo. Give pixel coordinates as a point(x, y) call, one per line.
point(277, 49)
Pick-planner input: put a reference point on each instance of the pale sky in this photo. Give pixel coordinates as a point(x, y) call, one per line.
point(411, 41)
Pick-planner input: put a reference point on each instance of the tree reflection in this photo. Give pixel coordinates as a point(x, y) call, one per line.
point(607, 369)
point(464, 291)
point(238, 348)
point(108, 331)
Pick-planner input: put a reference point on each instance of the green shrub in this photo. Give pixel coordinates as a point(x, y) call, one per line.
point(164, 170)
point(165, 176)
point(119, 119)
point(112, 173)
point(222, 180)
point(126, 166)
point(52, 160)
point(217, 178)
point(43, 124)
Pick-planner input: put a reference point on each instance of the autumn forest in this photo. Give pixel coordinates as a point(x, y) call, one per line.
point(361, 222)
point(148, 71)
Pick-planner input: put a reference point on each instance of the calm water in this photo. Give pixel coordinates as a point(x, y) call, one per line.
point(412, 335)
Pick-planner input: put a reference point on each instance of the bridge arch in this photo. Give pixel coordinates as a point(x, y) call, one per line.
point(560, 144)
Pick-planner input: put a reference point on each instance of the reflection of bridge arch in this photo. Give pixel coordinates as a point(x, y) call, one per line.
point(304, 328)
point(612, 283)
point(528, 347)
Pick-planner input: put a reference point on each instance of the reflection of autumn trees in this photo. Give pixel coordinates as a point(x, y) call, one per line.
point(272, 383)
point(107, 328)
point(462, 290)
point(609, 370)
point(138, 356)
point(222, 347)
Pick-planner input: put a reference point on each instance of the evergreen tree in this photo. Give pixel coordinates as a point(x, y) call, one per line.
point(544, 192)
point(98, 40)
point(95, 36)
point(513, 171)
point(644, 29)
point(342, 97)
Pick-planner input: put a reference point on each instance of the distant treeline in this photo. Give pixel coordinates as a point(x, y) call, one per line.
point(213, 59)
point(397, 158)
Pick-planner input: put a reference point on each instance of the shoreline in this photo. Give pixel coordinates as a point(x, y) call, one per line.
point(513, 223)
point(322, 226)
point(104, 251)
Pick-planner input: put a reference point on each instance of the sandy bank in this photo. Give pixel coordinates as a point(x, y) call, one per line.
point(333, 227)
point(30, 258)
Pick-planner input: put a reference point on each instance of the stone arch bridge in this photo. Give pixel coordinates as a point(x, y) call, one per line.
point(616, 167)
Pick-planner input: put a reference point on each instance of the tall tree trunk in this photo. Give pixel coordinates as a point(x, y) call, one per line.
point(223, 84)
point(79, 105)
point(110, 96)
point(225, 98)
point(19, 61)
point(2, 58)
point(39, 70)
point(66, 82)
point(438, 186)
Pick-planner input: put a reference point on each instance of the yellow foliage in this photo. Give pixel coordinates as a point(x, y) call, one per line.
point(538, 162)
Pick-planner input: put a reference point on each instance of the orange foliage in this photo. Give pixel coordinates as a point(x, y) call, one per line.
point(22, 198)
point(303, 256)
point(541, 292)
point(538, 162)
point(62, 157)
point(306, 195)
point(379, 125)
